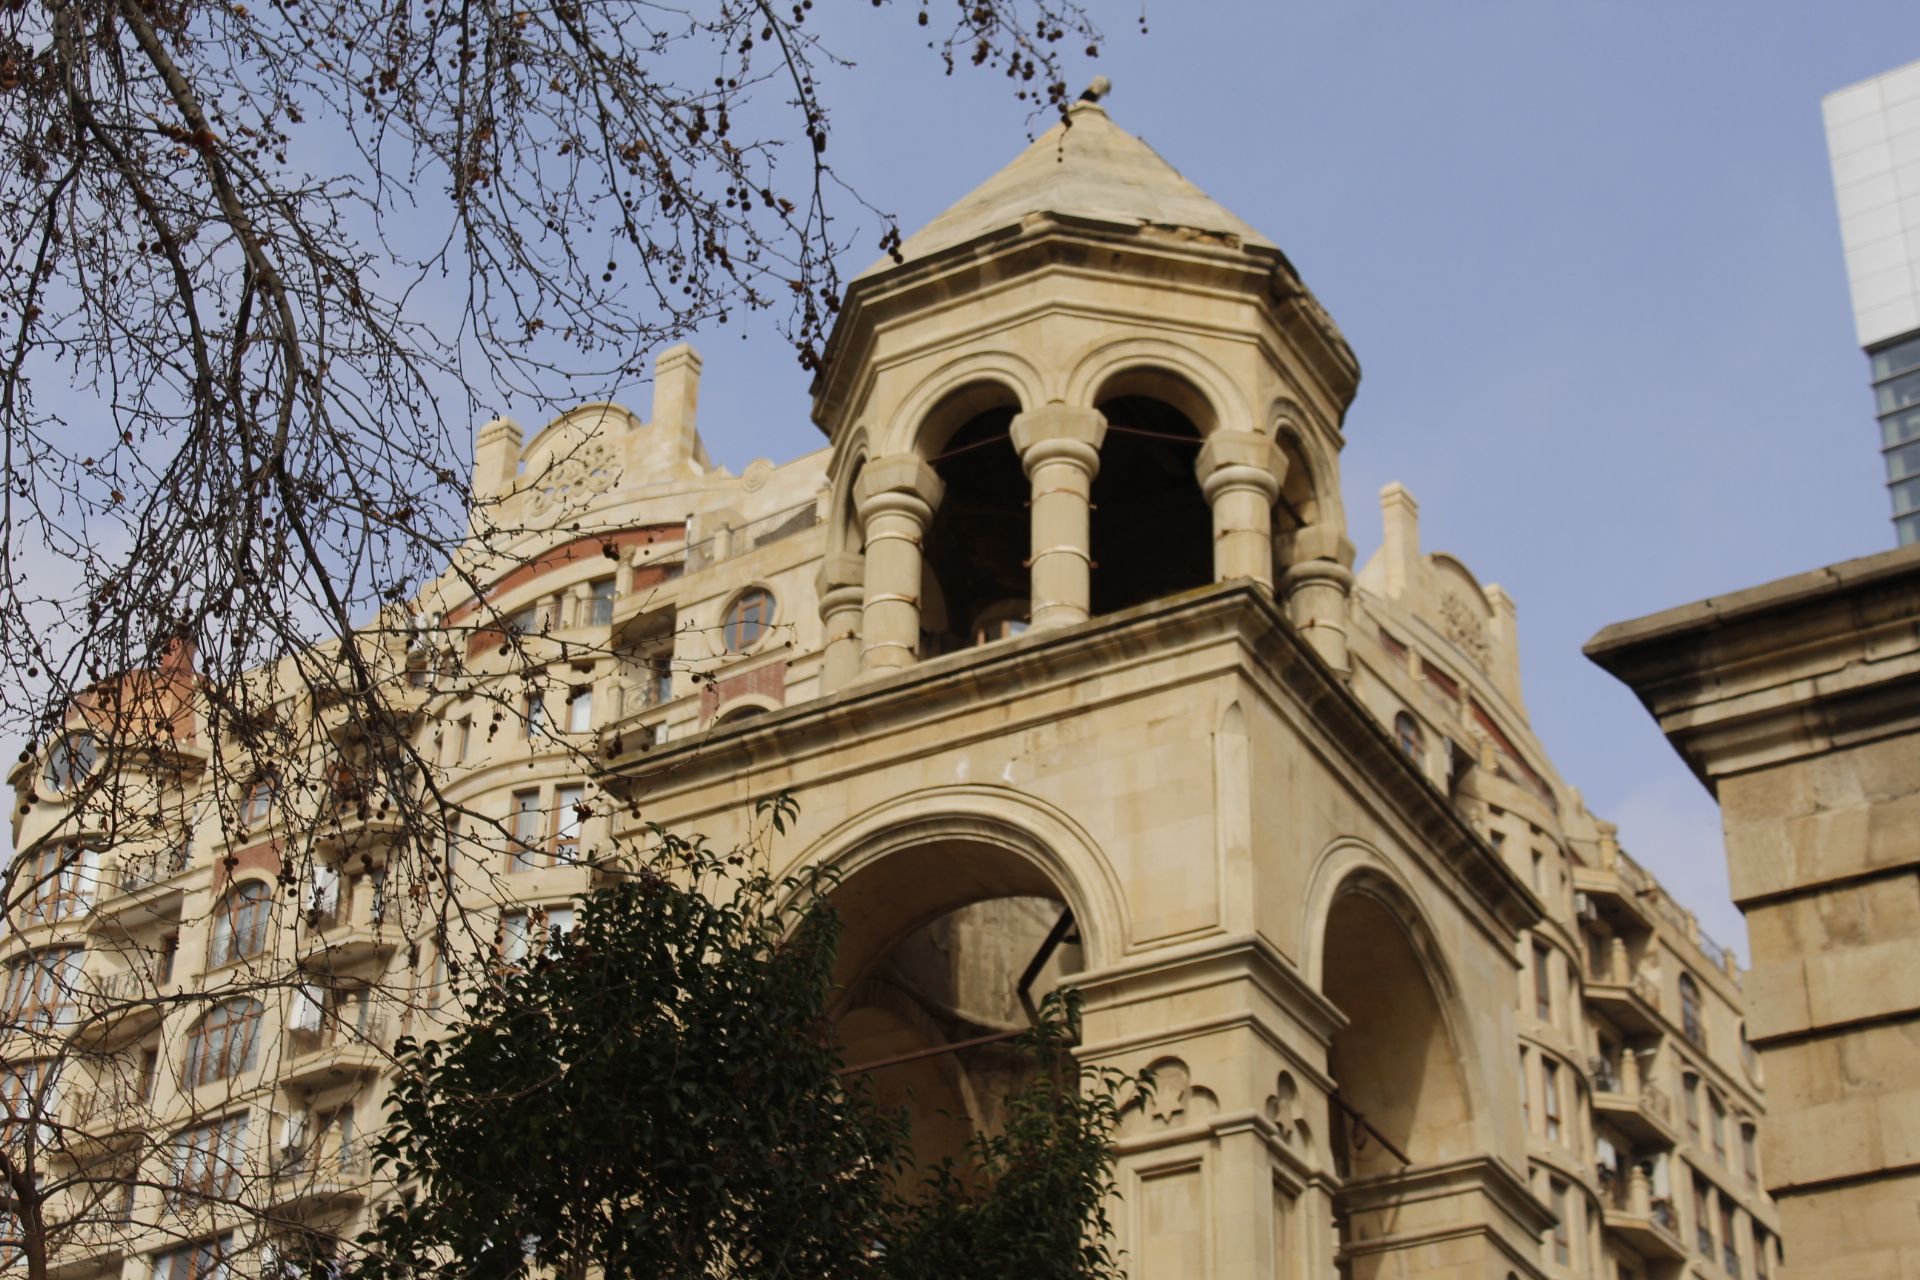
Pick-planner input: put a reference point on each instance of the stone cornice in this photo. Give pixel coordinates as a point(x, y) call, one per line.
point(1021, 672)
point(1793, 668)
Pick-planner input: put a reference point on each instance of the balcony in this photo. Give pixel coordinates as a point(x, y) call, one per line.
point(335, 1054)
point(1624, 995)
point(355, 933)
point(319, 1179)
point(1620, 892)
point(117, 1007)
point(142, 889)
point(104, 1120)
point(1644, 1115)
point(1644, 1222)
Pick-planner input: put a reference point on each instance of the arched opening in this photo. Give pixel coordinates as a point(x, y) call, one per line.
point(1394, 1063)
point(1298, 507)
point(1152, 531)
point(945, 949)
point(975, 583)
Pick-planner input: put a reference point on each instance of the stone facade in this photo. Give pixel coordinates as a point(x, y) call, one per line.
point(1798, 704)
point(1060, 635)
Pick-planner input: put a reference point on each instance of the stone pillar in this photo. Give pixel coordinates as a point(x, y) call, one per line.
point(897, 496)
point(1240, 474)
point(1060, 448)
point(842, 597)
point(1316, 588)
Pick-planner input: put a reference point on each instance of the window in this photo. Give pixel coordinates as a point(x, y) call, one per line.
point(258, 805)
point(1690, 1091)
point(62, 883)
point(1406, 730)
point(1896, 374)
point(1526, 1093)
point(523, 622)
point(1750, 1153)
point(660, 671)
point(163, 963)
point(525, 828)
point(1729, 1243)
point(1703, 1217)
point(41, 986)
point(240, 923)
point(1550, 1097)
point(1562, 1229)
point(1691, 1021)
point(567, 802)
point(1717, 1115)
point(225, 1042)
point(1540, 873)
point(29, 1090)
point(533, 715)
point(1762, 1248)
point(600, 611)
point(204, 1261)
point(465, 736)
point(519, 928)
point(149, 1072)
point(1542, 983)
point(748, 618)
point(580, 710)
point(70, 762)
point(207, 1158)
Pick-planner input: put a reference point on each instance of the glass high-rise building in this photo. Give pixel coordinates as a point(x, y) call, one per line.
point(1873, 138)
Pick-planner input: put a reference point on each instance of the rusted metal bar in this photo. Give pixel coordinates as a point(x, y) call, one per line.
point(998, 1037)
point(1362, 1122)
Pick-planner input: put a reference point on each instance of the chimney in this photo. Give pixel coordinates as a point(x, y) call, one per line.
point(496, 459)
point(676, 400)
point(1400, 544)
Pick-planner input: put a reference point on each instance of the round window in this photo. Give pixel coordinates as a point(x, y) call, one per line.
point(71, 760)
point(748, 618)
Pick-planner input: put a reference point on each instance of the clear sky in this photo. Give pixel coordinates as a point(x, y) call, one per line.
point(1587, 255)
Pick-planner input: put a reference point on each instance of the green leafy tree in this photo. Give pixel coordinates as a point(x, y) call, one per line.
point(658, 1093)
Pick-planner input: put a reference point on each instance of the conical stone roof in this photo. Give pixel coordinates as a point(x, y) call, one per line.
point(1093, 169)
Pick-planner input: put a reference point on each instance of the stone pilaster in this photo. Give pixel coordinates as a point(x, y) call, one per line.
point(1240, 474)
point(897, 497)
point(1060, 448)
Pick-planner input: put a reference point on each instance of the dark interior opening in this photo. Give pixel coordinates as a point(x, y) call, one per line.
point(976, 578)
point(1152, 528)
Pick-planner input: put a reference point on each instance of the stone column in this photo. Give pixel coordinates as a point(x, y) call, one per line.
point(1060, 448)
point(1240, 473)
point(842, 598)
point(897, 496)
point(1316, 588)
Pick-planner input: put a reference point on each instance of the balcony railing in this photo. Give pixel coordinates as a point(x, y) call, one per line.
point(142, 870)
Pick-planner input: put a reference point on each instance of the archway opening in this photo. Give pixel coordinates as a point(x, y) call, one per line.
point(975, 584)
point(1152, 530)
point(1396, 1069)
point(1298, 507)
point(945, 950)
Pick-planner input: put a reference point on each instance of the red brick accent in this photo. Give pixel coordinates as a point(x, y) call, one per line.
point(264, 856)
point(592, 547)
point(769, 681)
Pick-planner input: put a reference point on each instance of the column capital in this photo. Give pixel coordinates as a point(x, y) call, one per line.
point(840, 572)
point(1057, 422)
point(1322, 542)
point(899, 476)
point(1236, 458)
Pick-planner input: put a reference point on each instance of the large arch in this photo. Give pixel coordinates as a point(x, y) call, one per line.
point(942, 913)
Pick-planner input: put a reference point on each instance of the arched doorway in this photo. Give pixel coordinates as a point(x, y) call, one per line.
point(1152, 531)
point(946, 948)
point(1401, 1099)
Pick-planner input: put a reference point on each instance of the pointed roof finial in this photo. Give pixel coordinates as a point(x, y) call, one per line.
point(1099, 89)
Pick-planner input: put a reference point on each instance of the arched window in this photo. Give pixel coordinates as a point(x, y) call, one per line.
point(1406, 730)
point(748, 618)
point(1717, 1115)
point(1690, 1099)
point(224, 1043)
point(1691, 1021)
point(744, 712)
point(240, 923)
point(70, 761)
point(258, 805)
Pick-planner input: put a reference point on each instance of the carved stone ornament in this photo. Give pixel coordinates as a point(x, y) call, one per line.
point(1465, 628)
point(571, 480)
point(755, 477)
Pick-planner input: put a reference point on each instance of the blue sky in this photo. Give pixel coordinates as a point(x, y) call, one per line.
point(1586, 252)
